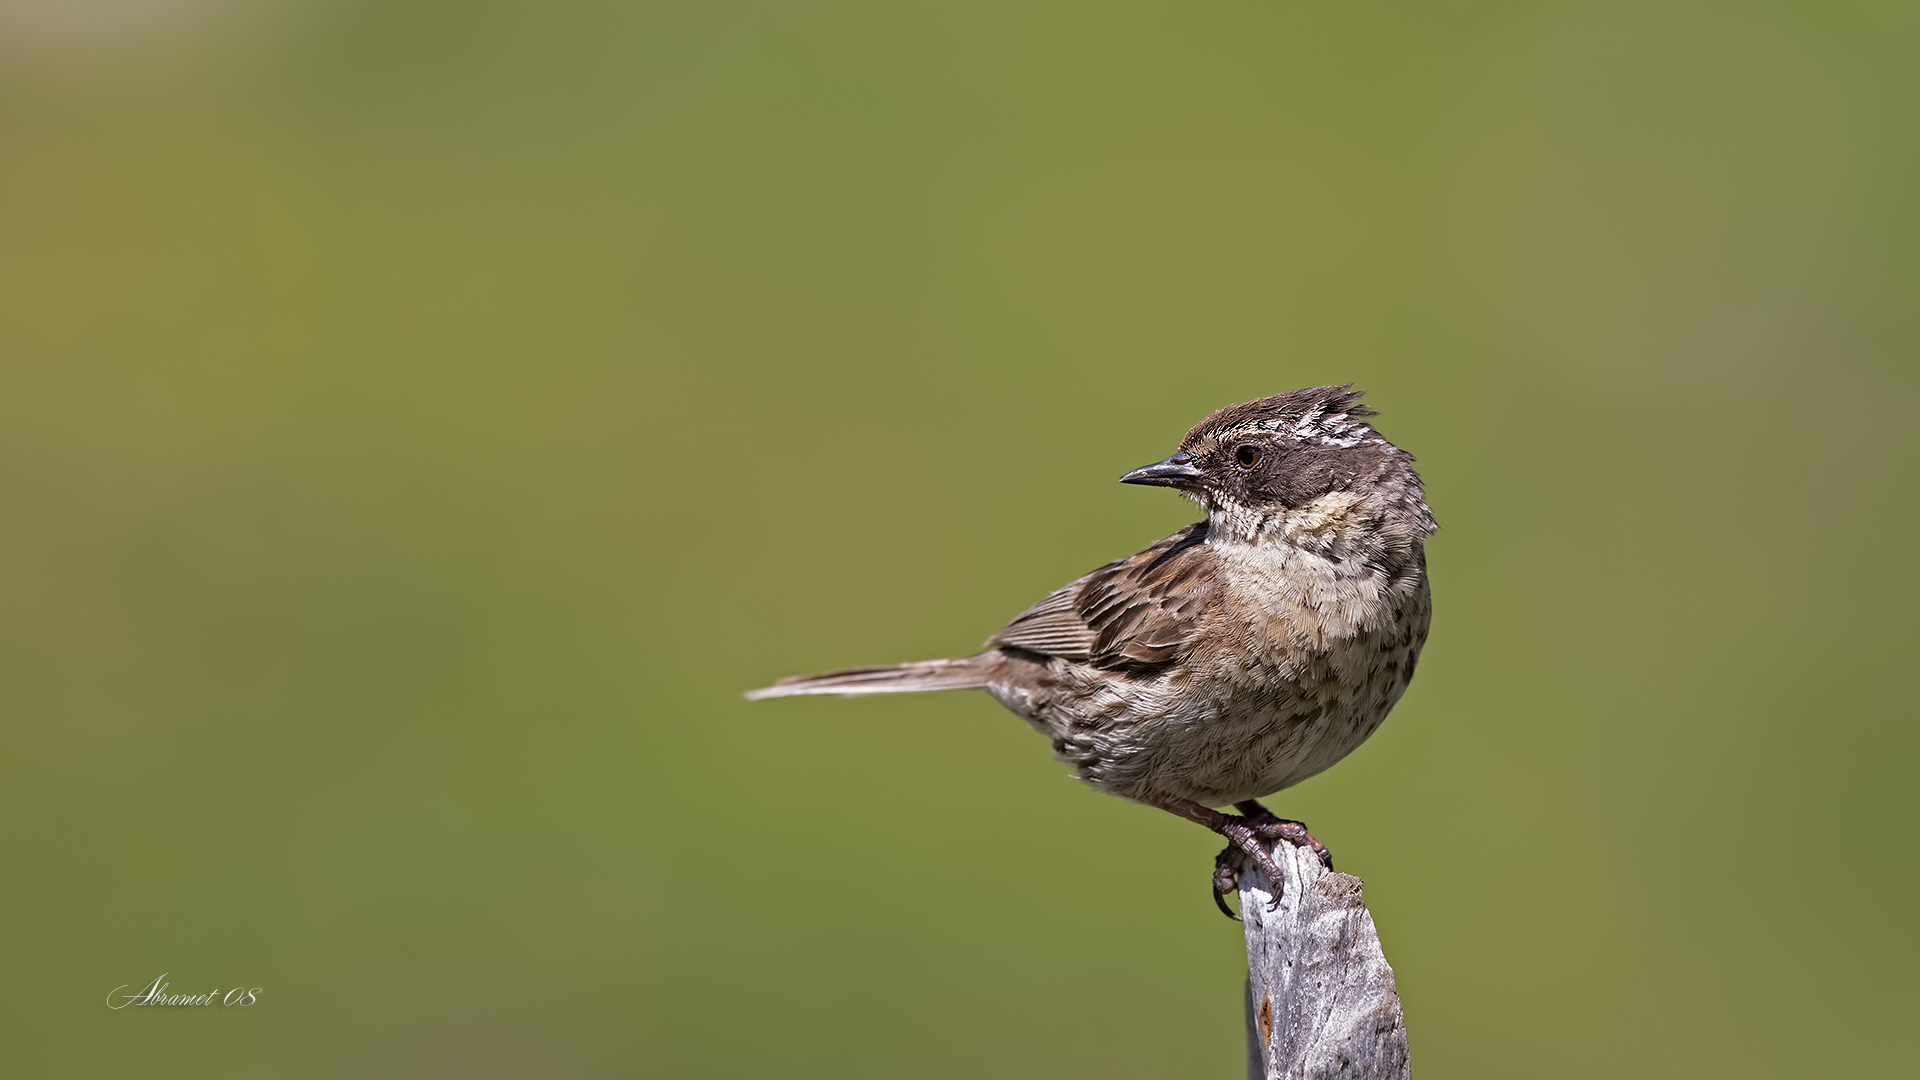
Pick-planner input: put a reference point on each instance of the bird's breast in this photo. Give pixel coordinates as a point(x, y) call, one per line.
point(1283, 606)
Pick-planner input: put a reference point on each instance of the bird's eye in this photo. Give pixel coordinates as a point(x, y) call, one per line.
point(1246, 455)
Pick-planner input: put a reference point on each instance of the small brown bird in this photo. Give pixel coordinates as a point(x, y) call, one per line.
point(1239, 656)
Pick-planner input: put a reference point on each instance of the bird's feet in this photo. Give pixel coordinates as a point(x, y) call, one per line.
point(1248, 837)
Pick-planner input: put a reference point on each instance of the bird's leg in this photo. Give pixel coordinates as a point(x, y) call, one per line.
point(1279, 828)
point(1265, 825)
point(1244, 840)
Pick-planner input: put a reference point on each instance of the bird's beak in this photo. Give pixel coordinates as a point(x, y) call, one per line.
point(1177, 471)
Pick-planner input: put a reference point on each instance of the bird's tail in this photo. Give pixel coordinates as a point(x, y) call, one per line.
point(965, 673)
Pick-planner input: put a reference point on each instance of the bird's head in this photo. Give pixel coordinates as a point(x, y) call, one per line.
point(1296, 466)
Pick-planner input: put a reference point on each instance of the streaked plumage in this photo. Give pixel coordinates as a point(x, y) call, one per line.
point(1244, 653)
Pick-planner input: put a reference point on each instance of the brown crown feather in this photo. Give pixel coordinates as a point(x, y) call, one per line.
point(1336, 409)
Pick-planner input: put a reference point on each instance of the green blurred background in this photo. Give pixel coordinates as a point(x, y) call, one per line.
point(419, 421)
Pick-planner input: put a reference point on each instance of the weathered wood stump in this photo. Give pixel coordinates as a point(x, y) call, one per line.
point(1321, 1003)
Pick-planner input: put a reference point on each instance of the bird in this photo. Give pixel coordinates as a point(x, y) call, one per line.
point(1241, 655)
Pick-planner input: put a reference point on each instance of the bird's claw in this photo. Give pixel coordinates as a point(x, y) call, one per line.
point(1296, 834)
point(1248, 837)
point(1226, 879)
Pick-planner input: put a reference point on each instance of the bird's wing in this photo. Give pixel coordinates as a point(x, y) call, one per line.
point(1137, 612)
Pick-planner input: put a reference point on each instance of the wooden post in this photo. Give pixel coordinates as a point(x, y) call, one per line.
point(1320, 997)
